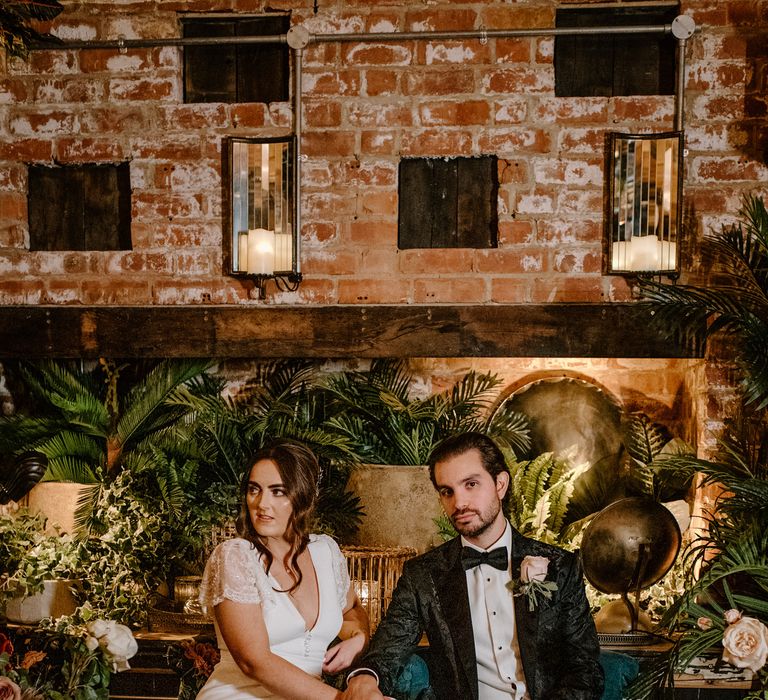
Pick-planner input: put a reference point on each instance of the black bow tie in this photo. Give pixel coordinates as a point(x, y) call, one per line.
point(497, 558)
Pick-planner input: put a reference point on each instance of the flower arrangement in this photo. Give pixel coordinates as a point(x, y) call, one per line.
point(193, 661)
point(67, 662)
point(532, 582)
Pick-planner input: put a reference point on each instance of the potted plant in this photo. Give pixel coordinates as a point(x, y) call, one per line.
point(392, 431)
point(39, 569)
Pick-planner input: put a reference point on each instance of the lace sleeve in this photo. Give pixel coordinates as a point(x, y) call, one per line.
point(233, 572)
point(340, 570)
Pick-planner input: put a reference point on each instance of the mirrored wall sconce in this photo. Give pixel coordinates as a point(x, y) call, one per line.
point(263, 236)
point(645, 203)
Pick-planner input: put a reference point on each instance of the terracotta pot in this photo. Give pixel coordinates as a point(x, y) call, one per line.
point(400, 506)
point(54, 601)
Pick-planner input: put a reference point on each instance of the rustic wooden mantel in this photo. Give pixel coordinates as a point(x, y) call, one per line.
point(525, 330)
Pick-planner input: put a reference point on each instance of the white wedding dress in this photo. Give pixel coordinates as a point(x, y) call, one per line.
point(235, 572)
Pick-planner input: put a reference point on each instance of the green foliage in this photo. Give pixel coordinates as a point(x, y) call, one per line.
point(29, 556)
point(737, 306)
point(385, 424)
point(17, 31)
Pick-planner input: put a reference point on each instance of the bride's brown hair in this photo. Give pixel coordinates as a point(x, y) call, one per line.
point(300, 473)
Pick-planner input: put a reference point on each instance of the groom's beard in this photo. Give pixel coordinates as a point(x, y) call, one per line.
point(477, 526)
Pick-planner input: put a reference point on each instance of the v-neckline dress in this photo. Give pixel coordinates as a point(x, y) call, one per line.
point(235, 572)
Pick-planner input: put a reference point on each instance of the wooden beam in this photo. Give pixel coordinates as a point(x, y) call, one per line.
point(531, 330)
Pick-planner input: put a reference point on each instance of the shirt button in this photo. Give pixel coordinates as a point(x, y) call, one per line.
point(489, 580)
point(500, 648)
point(494, 612)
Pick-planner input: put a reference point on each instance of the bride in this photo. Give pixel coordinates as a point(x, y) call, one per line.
point(278, 595)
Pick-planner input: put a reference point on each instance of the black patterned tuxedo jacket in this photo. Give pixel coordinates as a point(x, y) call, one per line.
point(558, 641)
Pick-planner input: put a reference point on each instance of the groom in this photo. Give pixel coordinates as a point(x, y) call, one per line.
point(484, 642)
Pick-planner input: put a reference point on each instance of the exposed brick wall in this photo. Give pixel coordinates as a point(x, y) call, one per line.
point(365, 105)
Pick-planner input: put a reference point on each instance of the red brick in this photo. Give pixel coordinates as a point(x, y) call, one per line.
point(577, 230)
point(510, 111)
point(646, 108)
point(379, 261)
point(729, 169)
point(510, 290)
point(319, 231)
point(379, 204)
point(15, 291)
point(327, 206)
point(456, 261)
point(317, 291)
point(366, 174)
point(509, 140)
point(560, 110)
point(378, 142)
point(518, 80)
point(434, 53)
point(374, 233)
point(123, 119)
point(131, 61)
point(438, 82)
point(577, 260)
point(336, 83)
point(512, 172)
point(191, 117)
point(43, 122)
point(587, 289)
point(514, 50)
point(440, 20)
point(142, 90)
point(387, 115)
point(461, 113)
point(449, 291)
point(13, 206)
point(78, 150)
point(511, 261)
point(433, 142)
point(496, 17)
point(328, 143)
point(322, 114)
point(247, 116)
point(13, 90)
point(372, 54)
point(373, 291)
point(380, 82)
point(13, 236)
point(330, 263)
point(515, 233)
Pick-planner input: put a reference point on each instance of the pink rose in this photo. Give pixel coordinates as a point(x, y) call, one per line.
point(534, 569)
point(732, 616)
point(704, 623)
point(745, 644)
point(9, 690)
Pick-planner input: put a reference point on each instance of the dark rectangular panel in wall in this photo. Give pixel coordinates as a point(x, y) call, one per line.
point(79, 207)
point(612, 64)
point(448, 203)
point(247, 72)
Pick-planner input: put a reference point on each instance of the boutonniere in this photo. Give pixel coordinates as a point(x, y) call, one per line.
point(532, 582)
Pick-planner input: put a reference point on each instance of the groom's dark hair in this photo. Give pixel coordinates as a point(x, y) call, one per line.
point(491, 456)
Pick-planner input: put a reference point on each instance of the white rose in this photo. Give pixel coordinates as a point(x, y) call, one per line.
point(119, 645)
point(98, 628)
point(91, 642)
point(732, 615)
point(745, 644)
point(534, 569)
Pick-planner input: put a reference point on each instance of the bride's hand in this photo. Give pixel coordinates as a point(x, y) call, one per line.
point(340, 656)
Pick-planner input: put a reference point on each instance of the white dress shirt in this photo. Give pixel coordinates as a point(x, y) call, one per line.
point(499, 667)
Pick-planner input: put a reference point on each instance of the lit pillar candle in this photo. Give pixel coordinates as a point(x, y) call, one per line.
point(645, 253)
point(621, 255)
point(667, 255)
point(261, 252)
point(283, 252)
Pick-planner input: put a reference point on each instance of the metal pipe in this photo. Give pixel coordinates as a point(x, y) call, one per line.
point(298, 53)
point(373, 36)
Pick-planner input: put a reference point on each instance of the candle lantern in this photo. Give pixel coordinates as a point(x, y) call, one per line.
point(262, 240)
point(374, 572)
point(645, 203)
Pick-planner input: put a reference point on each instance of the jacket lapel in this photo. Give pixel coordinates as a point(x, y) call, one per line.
point(527, 622)
point(451, 585)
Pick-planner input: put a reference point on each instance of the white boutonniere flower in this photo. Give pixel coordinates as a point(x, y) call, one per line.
point(532, 582)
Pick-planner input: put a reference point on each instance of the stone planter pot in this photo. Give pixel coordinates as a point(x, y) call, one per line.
point(55, 600)
point(400, 505)
point(57, 500)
